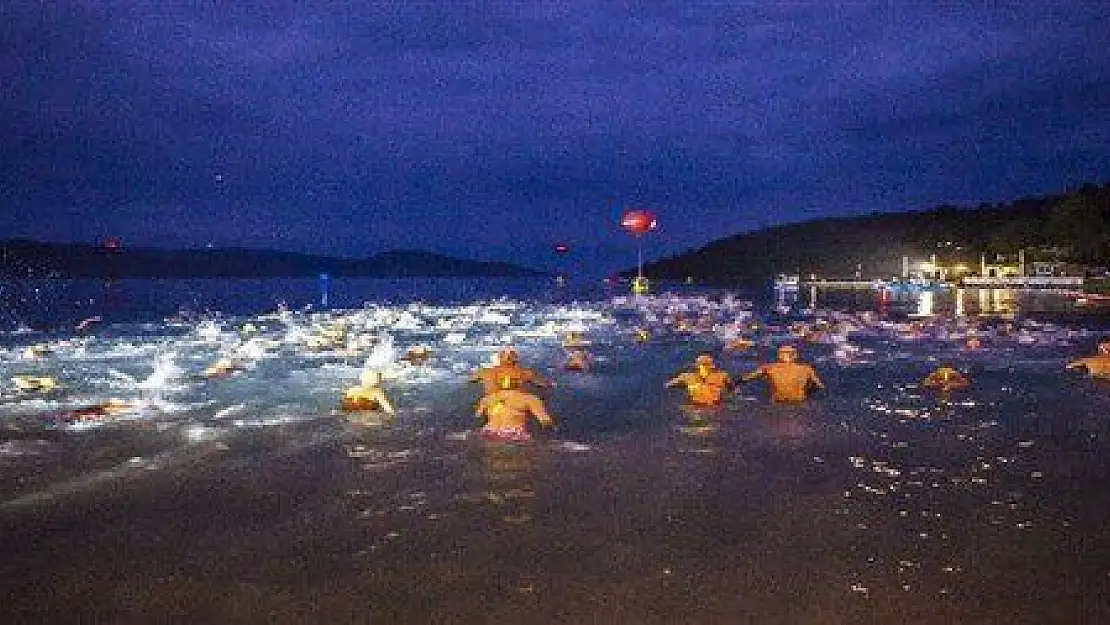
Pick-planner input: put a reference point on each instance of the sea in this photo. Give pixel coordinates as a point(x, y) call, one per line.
point(251, 498)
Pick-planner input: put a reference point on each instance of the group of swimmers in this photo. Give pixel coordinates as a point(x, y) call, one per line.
point(787, 379)
point(508, 402)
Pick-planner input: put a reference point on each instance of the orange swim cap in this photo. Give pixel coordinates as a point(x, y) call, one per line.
point(508, 356)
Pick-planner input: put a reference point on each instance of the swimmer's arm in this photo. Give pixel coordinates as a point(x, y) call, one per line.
point(482, 407)
point(1077, 364)
point(536, 407)
point(816, 381)
point(531, 376)
point(676, 380)
point(383, 401)
point(751, 375)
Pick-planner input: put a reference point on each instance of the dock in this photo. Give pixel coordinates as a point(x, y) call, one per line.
point(1023, 282)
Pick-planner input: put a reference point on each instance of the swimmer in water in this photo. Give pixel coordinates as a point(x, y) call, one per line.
point(1097, 366)
point(506, 411)
point(506, 363)
point(738, 344)
point(222, 368)
point(705, 385)
point(788, 379)
point(574, 340)
point(417, 355)
point(39, 350)
point(578, 359)
point(367, 396)
point(102, 412)
point(34, 384)
point(945, 379)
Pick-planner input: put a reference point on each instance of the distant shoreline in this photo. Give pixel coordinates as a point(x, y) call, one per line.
point(23, 259)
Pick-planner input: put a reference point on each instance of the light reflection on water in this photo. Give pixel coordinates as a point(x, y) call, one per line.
point(875, 499)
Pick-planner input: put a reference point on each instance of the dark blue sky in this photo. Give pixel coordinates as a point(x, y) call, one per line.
point(493, 130)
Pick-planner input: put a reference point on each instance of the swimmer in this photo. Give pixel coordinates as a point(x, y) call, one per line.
point(97, 413)
point(789, 380)
point(945, 379)
point(574, 340)
point(1097, 366)
point(705, 385)
point(506, 411)
point(506, 363)
point(221, 368)
point(577, 360)
point(39, 350)
point(417, 355)
point(738, 344)
point(34, 384)
point(367, 396)
point(973, 342)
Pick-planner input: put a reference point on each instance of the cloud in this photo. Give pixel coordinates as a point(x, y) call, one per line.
point(460, 125)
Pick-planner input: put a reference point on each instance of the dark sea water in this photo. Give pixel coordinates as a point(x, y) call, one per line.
point(249, 499)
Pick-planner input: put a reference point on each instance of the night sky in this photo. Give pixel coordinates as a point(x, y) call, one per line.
point(494, 130)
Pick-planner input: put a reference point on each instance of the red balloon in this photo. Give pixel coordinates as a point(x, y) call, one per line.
point(638, 222)
point(561, 248)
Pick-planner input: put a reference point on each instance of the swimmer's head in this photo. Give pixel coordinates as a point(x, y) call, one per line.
point(788, 353)
point(704, 360)
point(508, 356)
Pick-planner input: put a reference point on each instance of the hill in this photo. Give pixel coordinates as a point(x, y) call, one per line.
point(1072, 227)
point(30, 259)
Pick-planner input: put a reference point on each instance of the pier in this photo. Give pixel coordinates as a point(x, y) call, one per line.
point(1023, 282)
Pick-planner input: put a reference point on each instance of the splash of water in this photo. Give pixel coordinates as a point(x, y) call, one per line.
point(166, 372)
point(384, 354)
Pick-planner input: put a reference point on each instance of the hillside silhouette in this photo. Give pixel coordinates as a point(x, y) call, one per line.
point(1072, 227)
